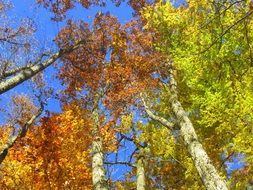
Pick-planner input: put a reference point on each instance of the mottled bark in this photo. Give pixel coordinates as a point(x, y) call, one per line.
point(29, 72)
point(98, 172)
point(140, 173)
point(205, 168)
point(207, 172)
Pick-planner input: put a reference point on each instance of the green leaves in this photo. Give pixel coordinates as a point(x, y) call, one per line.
point(211, 48)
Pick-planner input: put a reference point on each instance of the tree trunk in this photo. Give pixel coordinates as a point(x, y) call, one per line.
point(21, 134)
point(205, 168)
point(140, 173)
point(203, 164)
point(99, 181)
point(31, 71)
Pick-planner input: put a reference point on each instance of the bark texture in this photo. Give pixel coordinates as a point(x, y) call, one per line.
point(29, 72)
point(98, 172)
point(140, 173)
point(205, 168)
point(207, 172)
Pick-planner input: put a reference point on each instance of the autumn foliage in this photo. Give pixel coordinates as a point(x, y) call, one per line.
point(128, 93)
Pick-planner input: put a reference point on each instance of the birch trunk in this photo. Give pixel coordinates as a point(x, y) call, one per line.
point(99, 181)
point(203, 164)
point(140, 173)
point(31, 71)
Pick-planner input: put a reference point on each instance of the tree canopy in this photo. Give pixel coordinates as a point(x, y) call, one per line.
point(161, 101)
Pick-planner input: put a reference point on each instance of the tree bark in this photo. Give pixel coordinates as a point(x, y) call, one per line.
point(31, 71)
point(140, 173)
point(203, 164)
point(98, 172)
point(207, 172)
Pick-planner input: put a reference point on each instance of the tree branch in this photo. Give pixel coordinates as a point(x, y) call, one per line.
point(14, 71)
point(120, 162)
point(34, 69)
point(157, 118)
point(20, 134)
point(226, 31)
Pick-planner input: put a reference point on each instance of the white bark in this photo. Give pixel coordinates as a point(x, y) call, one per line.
point(31, 71)
point(140, 173)
point(98, 172)
point(205, 168)
point(207, 172)
point(161, 120)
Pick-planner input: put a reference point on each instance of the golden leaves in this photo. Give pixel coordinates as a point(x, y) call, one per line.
point(54, 154)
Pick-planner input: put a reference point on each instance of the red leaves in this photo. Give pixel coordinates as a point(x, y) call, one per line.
point(116, 59)
point(60, 7)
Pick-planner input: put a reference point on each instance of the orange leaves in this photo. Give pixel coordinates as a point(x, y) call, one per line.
point(22, 109)
point(108, 135)
point(84, 67)
point(54, 154)
point(116, 59)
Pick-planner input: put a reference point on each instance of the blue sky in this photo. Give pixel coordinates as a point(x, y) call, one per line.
point(47, 30)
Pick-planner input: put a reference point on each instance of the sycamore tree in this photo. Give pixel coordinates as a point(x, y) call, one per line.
point(106, 75)
point(209, 44)
point(187, 69)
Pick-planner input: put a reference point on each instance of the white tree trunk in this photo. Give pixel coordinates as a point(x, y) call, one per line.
point(140, 173)
point(205, 168)
point(31, 71)
point(207, 172)
point(99, 181)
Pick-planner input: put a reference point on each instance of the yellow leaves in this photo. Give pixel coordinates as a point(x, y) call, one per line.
point(109, 138)
point(5, 133)
point(57, 150)
point(126, 123)
point(118, 40)
point(163, 17)
point(161, 141)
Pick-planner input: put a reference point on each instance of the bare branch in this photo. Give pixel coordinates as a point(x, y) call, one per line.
point(120, 162)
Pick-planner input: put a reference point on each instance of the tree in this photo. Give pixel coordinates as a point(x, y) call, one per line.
point(19, 41)
point(19, 75)
point(27, 114)
point(182, 68)
point(105, 73)
point(53, 155)
point(213, 67)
